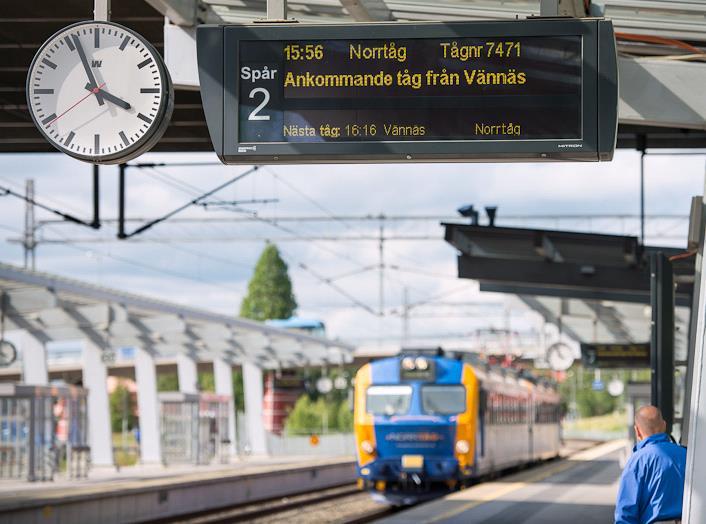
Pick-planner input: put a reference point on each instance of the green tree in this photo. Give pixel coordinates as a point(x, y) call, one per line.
point(238, 390)
point(316, 416)
point(589, 403)
point(207, 381)
point(167, 382)
point(344, 417)
point(270, 293)
point(304, 417)
point(122, 406)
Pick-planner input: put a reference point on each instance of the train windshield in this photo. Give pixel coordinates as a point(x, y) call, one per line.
point(444, 399)
point(388, 400)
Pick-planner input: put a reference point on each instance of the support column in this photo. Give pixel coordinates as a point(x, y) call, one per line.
point(33, 355)
point(252, 385)
point(662, 345)
point(95, 377)
point(694, 504)
point(223, 377)
point(188, 376)
point(148, 407)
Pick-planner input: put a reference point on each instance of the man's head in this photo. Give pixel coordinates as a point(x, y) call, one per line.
point(649, 421)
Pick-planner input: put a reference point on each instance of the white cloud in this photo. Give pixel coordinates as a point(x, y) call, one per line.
point(214, 274)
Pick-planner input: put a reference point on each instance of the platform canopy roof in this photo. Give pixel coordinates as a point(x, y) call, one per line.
point(53, 308)
point(595, 287)
point(661, 100)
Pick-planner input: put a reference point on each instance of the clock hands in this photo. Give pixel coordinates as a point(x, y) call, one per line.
point(110, 98)
point(92, 85)
point(87, 68)
point(94, 91)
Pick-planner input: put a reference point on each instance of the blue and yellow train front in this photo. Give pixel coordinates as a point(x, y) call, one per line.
point(415, 426)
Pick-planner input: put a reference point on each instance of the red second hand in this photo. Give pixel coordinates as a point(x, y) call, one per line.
point(93, 91)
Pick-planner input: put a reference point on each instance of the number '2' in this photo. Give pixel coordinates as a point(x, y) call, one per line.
point(266, 98)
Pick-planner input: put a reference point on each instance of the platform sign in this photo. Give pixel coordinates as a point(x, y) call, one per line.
point(518, 90)
point(627, 356)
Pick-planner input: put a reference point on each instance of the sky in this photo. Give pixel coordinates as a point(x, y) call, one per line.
point(208, 264)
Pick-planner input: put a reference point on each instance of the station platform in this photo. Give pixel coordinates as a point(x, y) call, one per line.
point(145, 493)
point(580, 489)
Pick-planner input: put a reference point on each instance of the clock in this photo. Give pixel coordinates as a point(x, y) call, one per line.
point(8, 353)
point(99, 92)
point(560, 356)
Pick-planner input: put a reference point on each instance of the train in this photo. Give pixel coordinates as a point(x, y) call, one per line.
point(428, 422)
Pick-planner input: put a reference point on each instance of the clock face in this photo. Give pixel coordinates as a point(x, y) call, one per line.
point(99, 92)
point(560, 356)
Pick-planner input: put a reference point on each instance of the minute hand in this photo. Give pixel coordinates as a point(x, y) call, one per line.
point(111, 98)
point(87, 68)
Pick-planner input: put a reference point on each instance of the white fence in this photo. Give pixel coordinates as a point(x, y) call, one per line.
point(329, 445)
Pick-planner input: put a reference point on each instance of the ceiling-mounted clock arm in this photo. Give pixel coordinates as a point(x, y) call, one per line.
point(110, 98)
point(87, 68)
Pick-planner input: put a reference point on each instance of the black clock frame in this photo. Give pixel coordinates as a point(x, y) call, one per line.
point(153, 134)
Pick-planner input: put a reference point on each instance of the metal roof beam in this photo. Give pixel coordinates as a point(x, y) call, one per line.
point(368, 10)
point(611, 320)
point(548, 315)
point(660, 92)
point(31, 300)
point(179, 12)
point(55, 284)
point(546, 248)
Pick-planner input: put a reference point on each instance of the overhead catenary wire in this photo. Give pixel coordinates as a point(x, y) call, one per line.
point(150, 267)
point(5, 191)
point(333, 286)
point(57, 203)
point(195, 201)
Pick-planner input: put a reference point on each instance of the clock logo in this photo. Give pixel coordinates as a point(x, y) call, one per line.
point(100, 92)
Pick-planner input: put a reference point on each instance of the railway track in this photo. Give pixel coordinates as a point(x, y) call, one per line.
point(344, 504)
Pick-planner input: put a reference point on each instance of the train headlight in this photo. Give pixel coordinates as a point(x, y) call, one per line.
point(408, 364)
point(422, 364)
point(463, 447)
point(367, 447)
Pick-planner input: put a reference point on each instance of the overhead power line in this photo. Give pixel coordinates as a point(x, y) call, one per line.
point(195, 201)
point(156, 269)
point(5, 191)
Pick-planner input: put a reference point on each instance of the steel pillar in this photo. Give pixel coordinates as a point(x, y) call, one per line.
point(33, 355)
point(101, 10)
point(697, 227)
point(188, 376)
point(694, 504)
point(662, 344)
point(148, 406)
point(276, 10)
point(95, 376)
point(223, 377)
point(252, 385)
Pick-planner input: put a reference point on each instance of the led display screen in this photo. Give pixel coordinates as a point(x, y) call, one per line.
point(520, 90)
point(489, 88)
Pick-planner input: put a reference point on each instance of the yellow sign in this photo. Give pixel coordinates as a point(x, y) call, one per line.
point(314, 440)
point(412, 461)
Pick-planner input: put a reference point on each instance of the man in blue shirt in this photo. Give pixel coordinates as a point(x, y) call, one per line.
point(652, 484)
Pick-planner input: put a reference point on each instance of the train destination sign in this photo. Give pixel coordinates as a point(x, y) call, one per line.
point(630, 356)
point(522, 90)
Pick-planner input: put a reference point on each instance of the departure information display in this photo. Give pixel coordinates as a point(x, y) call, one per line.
point(490, 88)
point(397, 92)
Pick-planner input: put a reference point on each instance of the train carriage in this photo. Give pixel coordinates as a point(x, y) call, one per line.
point(426, 423)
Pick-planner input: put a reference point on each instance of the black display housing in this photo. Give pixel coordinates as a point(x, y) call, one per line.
point(570, 108)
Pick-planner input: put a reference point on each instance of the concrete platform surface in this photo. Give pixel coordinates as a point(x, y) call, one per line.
point(576, 490)
point(146, 494)
point(103, 479)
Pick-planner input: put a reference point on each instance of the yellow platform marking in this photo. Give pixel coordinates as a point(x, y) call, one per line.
point(506, 488)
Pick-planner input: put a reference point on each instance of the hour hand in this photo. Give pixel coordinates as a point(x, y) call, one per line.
point(87, 68)
point(110, 98)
